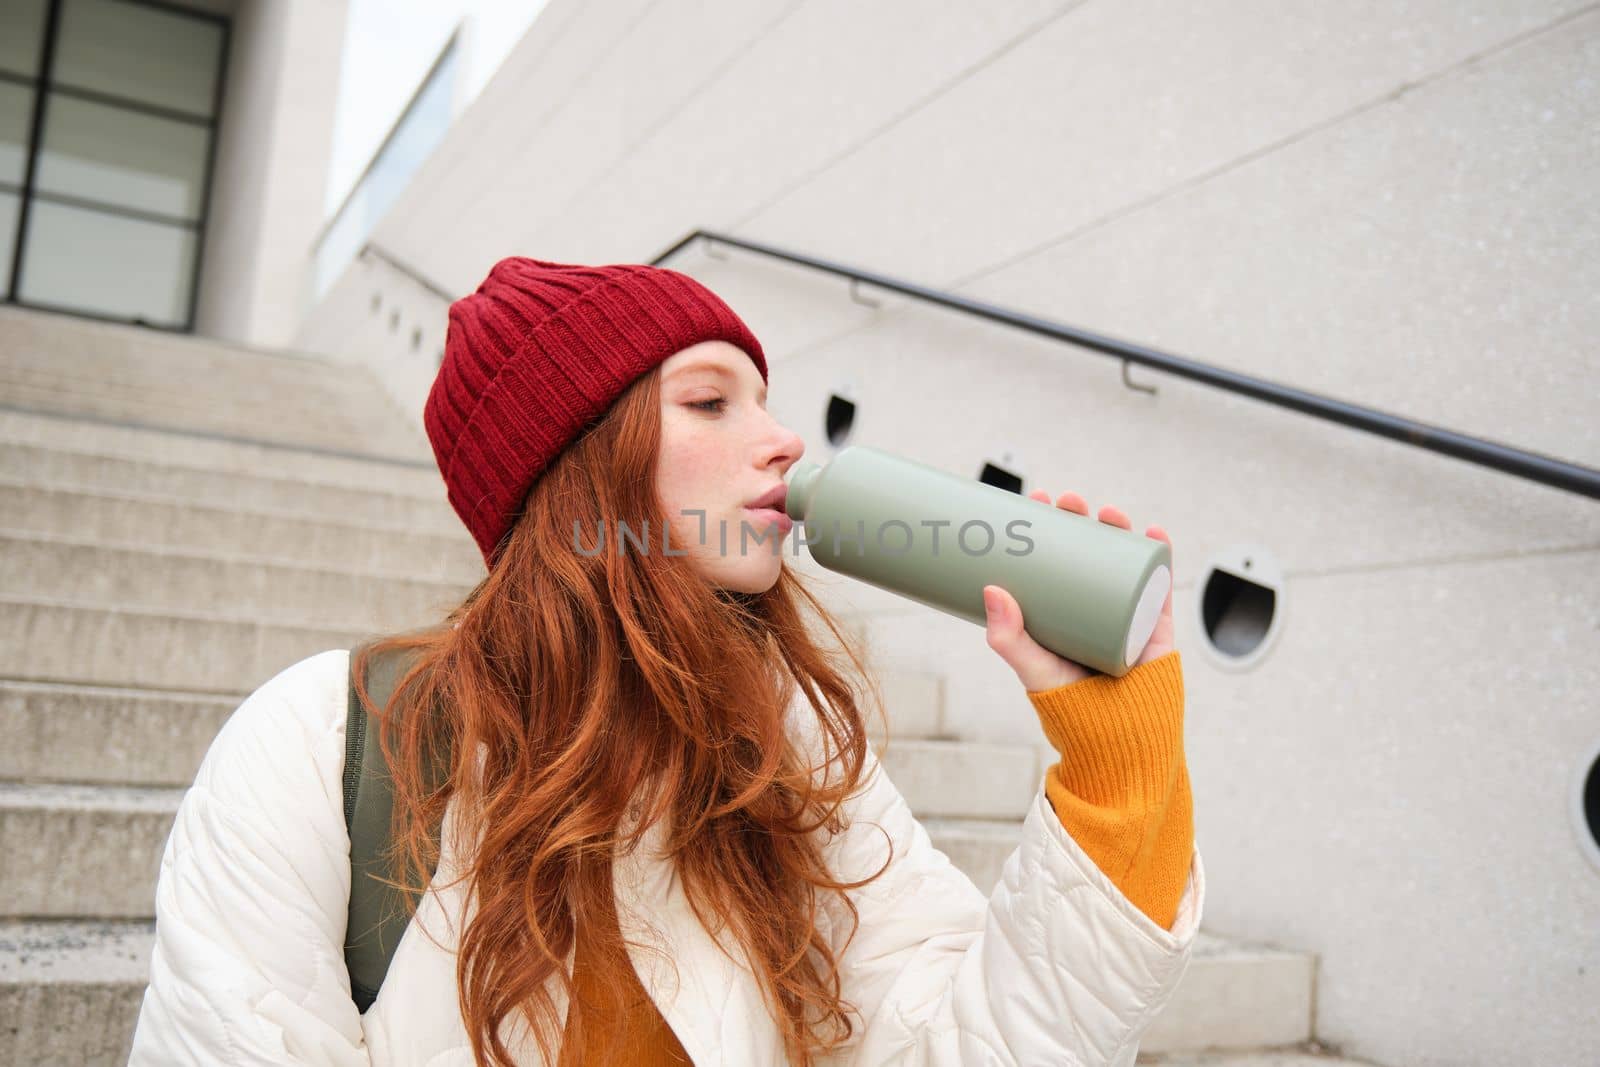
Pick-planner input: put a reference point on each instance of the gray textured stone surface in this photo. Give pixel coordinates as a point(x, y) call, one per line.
point(53, 731)
point(1282, 1057)
point(77, 367)
point(225, 579)
point(378, 502)
point(80, 851)
point(964, 778)
point(47, 640)
point(268, 534)
point(70, 992)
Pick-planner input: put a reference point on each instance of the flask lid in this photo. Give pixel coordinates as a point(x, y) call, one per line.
point(802, 484)
point(1148, 612)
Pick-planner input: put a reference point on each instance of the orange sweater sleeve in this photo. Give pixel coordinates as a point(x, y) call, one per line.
point(1121, 786)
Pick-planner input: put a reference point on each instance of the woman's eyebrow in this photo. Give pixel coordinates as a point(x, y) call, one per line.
point(715, 368)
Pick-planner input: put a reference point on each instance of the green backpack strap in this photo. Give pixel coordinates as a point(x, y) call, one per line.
point(378, 916)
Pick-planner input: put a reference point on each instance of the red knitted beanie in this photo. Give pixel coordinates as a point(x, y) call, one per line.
point(538, 353)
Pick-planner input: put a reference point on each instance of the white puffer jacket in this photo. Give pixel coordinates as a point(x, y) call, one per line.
point(1054, 967)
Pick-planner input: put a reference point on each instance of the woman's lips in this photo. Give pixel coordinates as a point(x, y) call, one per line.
point(771, 515)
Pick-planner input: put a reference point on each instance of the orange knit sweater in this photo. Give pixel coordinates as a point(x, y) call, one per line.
point(1121, 789)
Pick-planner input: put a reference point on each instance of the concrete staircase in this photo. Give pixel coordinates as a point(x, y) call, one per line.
point(181, 519)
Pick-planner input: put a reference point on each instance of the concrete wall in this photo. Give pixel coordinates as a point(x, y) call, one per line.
point(271, 169)
point(1393, 204)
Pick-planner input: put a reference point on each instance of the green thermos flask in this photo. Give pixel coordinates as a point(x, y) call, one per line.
point(1089, 592)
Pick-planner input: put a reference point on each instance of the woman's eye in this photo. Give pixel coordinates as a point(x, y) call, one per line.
point(710, 405)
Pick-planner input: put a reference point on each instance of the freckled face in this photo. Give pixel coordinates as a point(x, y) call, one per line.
point(720, 450)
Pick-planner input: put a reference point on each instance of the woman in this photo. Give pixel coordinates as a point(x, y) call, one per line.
point(654, 851)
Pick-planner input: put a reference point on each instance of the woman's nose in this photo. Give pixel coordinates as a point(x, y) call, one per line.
point(788, 446)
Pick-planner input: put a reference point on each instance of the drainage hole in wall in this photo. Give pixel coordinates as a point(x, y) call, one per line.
point(1001, 478)
point(1236, 612)
point(840, 417)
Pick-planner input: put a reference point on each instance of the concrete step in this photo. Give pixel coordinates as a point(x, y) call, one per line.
point(963, 779)
point(53, 363)
point(225, 378)
point(82, 851)
point(1310, 1054)
point(91, 390)
point(913, 704)
point(197, 651)
point(979, 847)
point(286, 418)
point(285, 538)
point(414, 477)
point(142, 578)
point(70, 991)
point(375, 503)
point(59, 732)
point(30, 337)
point(1238, 995)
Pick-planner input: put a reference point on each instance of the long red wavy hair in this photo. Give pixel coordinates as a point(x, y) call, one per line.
point(583, 677)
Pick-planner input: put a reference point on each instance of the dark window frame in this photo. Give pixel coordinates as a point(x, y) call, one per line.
point(44, 85)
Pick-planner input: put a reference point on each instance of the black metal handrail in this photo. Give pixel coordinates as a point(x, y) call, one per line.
point(1520, 462)
point(371, 250)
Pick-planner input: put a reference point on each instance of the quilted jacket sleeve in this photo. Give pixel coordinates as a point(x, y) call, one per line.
point(1055, 967)
point(248, 966)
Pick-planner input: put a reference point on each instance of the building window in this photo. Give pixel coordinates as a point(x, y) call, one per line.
point(415, 134)
point(108, 128)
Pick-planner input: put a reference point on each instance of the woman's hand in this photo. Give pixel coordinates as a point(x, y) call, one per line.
point(1037, 667)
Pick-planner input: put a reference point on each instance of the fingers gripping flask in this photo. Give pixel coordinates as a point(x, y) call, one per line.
point(1089, 592)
